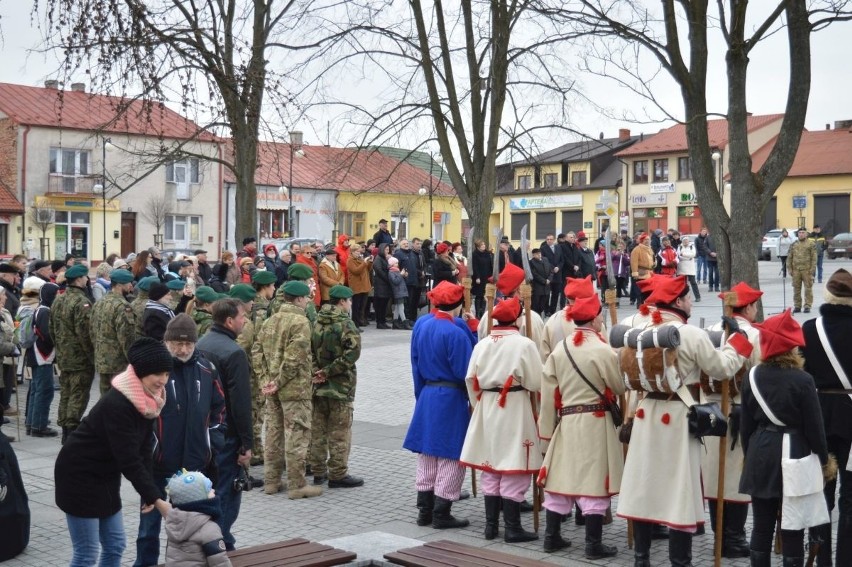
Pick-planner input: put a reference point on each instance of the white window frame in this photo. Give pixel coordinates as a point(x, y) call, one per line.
point(192, 169)
point(82, 167)
point(185, 222)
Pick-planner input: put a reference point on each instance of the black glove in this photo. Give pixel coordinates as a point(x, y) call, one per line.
point(730, 325)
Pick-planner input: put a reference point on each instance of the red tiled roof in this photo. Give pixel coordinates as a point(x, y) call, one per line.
point(822, 152)
point(8, 202)
point(341, 169)
point(54, 108)
point(673, 139)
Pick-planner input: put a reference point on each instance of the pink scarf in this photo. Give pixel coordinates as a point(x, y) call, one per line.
point(145, 401)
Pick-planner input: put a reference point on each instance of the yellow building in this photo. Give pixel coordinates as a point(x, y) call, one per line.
point(818, 186)
point(575, 187)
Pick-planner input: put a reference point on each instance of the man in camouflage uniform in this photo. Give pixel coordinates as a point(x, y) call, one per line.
point(201, 314)
point(802, 261)
point(278, 357)
point(263, 283)
point(141, 300)
point(302, 273)
point(70, 321)
point(336, 346)
point(113, 328)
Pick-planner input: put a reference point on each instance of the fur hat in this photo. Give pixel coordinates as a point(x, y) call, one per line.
point(838, 288)
point(181, 328)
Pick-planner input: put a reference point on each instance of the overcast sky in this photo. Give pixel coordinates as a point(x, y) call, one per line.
point(831, 90)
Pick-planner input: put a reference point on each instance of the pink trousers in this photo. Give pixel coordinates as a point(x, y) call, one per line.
point(509, 486)
point(444, 477)
point(562, 504)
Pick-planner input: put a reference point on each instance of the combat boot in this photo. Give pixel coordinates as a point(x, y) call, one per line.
point(595, 549)
point(442, 518)
point(45, 432)
point(680, 548)
point(271, 487)
point(304, 492)
point(492, 516)
point(760, 559)
point(399, 325)
point(513, 531)
point(425, 503)
point(553, 532)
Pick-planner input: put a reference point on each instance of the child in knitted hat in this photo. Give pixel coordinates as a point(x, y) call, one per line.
point(194, 536)
point(400, 294)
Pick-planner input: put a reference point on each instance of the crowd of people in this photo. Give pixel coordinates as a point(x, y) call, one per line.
point(202, 370)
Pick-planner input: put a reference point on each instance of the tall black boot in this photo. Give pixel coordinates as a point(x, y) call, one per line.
point(553, 532)
point(64, 436)
point(595, 549)
point(579, 519)
point(425, 503)
point(761, 559)
point(680, 548)
point(822, 534)
point(734, 543)
point(793, 561)
point(659, 531)
point(441, 517)
point(513, 531)
point(711, 509)
point(642, 543)
point(492, 516)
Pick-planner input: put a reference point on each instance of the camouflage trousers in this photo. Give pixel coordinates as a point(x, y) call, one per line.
point(74, 388)
point(106, 382)
point(258, 400)
point(806, 278)
point(331, 437)
point(288, 438)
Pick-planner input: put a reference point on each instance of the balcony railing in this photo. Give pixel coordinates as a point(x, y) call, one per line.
point(58, 183)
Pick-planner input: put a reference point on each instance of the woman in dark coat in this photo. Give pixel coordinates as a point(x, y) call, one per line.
point(443, 267)
point(382, 291)
point(483, 266)
point(114, 439)
point(791, 396)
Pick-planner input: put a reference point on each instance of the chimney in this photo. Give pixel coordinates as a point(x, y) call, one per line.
point(623, 134)
point(842, 124)
point(828, 126)
point(600, 136)
point(51, 84)
point(78, 87)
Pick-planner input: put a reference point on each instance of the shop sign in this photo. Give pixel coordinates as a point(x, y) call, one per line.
point(800, 202)
point(649, 199)
point(546, 202)
point(688, 199)
point(662, 187)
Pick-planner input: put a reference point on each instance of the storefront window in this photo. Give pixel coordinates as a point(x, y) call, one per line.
point(689, 220)
point(649, 219)
point(72, 234)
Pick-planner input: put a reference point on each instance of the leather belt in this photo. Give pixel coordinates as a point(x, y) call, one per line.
point(582, 408)
point(778, 428)
point(498, 390)
point(447, 384)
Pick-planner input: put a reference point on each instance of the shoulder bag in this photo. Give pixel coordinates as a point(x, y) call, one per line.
point(614, 410)
point(803, 504)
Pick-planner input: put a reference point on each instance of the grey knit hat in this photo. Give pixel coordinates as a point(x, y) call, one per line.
point(188, 486)
point(181, 328)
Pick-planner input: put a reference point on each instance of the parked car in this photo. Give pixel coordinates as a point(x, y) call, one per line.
point(840, 246)
point(169, 253)
point(769, 248)
point(284, 243)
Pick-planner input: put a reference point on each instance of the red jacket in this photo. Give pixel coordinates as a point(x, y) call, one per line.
point(668, 257)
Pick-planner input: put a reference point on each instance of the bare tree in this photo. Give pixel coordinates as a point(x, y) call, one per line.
point(677, 40)
point(157, 208)
point(44, 218)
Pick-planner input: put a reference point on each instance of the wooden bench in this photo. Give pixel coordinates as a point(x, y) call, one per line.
point(443, 553)
point(291, 553)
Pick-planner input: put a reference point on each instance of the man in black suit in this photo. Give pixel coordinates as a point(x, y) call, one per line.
point(552, 252)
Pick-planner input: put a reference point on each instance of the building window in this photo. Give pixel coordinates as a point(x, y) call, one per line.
point(183, 229)
point(545, 223)
point(182, 173)
point(640, 171)
point(273, 224)
point(399, 226)
point(661, 170)
point(518, 222)
point(578, 178)
point(70, 171)
point(524, 182)
point(352, 224)
point(684, 168)
point(551, 180)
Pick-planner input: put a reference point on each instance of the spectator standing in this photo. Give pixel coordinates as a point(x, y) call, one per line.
point(285, 263)
point(358, 269)
point(400, 294)
point(382, 236)
point(220, 347)
point(139, 267)
point(656, 246)
point(336, 347)
point(204, 270)
point(249, 249)
point(409, 261)
point(272, 263)
point(188, 427)
point(552, 252)
point(70, 320)
point(641, 265)
point(444, 267)
point(621, 265)
point(541, 274)
point(113, 329)
point(461, 261)
point(428, 251)
point(330, 274)
point(103, 282)
point(194, 538)
point(818, 238)
point(585, 258)
point(155, 267)
point(158, 311)
point(686, 254)
point(343, 245)
point(701, 256)
point(569, 258)
point(414, 301)
point(112, 441)
point(483, 265)
point(713, 282)
point(40, 359)
point(7, 348)
point(382, 290)
point(10, 277)
point(667, 258)
point(784, 243)
point(306, 258)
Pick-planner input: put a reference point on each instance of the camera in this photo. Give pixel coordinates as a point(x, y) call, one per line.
point(242, 482)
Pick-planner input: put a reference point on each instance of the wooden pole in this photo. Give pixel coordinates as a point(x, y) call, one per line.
point(467, 282)
point(730, 301)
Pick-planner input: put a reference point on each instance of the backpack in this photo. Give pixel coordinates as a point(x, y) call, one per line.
point(24, 331)
point(14, 505)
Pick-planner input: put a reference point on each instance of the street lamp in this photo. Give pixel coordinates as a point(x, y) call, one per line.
point(295, 150)
point(106, 143)
point(423, 192)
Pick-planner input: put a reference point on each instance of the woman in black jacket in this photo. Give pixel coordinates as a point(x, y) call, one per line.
point(382, 291)
point(790, 395)
point(443, 267)
point(114, 439)
point(483, 266)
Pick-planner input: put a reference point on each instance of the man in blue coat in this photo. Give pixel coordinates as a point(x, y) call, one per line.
point(440, 352)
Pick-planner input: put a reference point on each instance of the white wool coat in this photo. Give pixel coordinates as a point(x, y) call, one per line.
point(686, 255)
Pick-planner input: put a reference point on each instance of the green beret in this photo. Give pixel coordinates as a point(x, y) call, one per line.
point(296, 288)
point(145, 283)
point(120, 276)
point(76, 271)
point(243, 292)
point(175, 285)
point(300, 271)
point(263, 277)
point(340, 292)
point(206, 294)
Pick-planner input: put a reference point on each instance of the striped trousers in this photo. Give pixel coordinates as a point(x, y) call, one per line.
point(442, 476)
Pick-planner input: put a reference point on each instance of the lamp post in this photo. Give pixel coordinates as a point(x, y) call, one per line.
point(102, 188)
point(295, 149)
